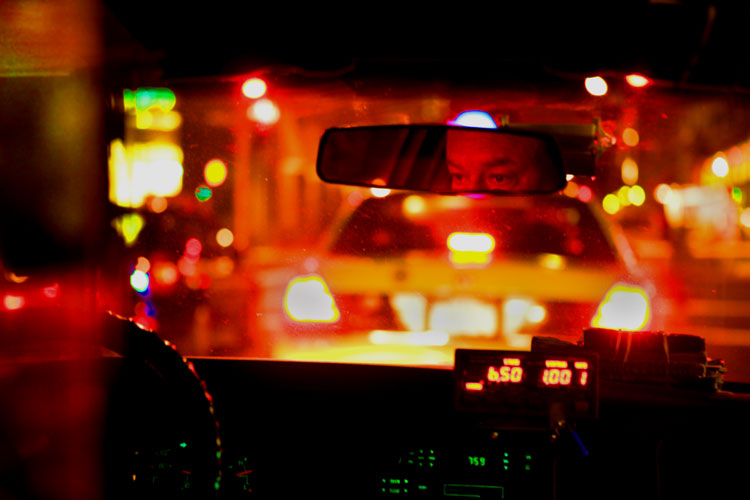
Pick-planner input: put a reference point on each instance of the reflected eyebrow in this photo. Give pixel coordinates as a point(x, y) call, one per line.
point(500, 161)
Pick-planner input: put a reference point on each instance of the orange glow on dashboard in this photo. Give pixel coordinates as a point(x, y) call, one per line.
point(511, 361)
point(555, 363)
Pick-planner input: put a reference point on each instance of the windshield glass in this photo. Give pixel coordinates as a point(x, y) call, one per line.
point(245, 252)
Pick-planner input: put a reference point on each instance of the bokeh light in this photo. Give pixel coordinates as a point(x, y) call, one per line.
point(13, 302)
point(203, 193)
point(158, 204)
point(720, 166)
point(414, 205)
point(611, 204)
point(636, 80)
point(745, 218)
point(264, 112)
point(215, 172)
point(630, 137)
point(596, 85)
point(254, 88)
point(224, 237)
point(637, 196)
point(662, 192)
point(139, 281)
point(585, 194)
point(629, 171)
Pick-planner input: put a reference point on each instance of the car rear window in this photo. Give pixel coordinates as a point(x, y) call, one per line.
point(382, 227)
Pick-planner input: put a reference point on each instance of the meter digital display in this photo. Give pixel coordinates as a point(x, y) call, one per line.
point(526, 383)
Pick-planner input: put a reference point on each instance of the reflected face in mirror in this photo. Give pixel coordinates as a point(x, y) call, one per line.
point(492, 162)
point(442, 159)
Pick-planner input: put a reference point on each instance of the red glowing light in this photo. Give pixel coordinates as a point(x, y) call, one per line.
point(556, 376)
point(512, 361)
point(585, 194)
point(584, 378)
point(555, 363)
point(474, 386)
point(51, 292)
point(636, 80)
point(193, 248)
point(512, 374)
point(581, 365)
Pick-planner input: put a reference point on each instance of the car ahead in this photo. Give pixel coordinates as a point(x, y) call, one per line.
point(411, 269)
point(112, 112)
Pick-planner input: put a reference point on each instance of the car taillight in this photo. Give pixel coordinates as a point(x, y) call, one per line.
point(308, 299)
point(624, 307)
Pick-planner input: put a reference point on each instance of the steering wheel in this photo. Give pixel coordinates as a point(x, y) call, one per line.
point(142, 408)
point(161, 435)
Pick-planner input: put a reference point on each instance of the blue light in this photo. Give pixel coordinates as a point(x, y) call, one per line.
point(477, 119)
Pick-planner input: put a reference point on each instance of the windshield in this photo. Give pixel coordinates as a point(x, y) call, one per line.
point(224, 240)
point(248, 253)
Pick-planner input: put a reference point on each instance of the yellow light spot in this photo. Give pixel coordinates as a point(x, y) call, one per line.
point(13, 302)
point(552, 261)
point(380, 192)
point(264, 111)
point(662, 192)
point(224, 237)
point(720, 166)
point(637, 196)
point(636, 80)
point(414, 205)
point(16, 278)
point(629, 171)
point(630, 137)
point(215, 172)
point(307, 299)
point(623, 196)
point(254, 88)
point(129, 226)
point(611, 204)
point(596, 85)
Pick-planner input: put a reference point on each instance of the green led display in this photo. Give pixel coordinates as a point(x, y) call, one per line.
point(477, 461)
point(183, 445)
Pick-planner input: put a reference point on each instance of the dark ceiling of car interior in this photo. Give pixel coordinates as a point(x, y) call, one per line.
point(689, 44)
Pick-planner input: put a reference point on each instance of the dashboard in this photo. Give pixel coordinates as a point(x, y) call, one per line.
point(357, 431)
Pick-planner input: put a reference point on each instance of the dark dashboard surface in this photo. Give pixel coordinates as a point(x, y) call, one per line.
point(359, 431)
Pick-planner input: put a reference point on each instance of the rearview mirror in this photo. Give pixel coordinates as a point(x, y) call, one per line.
point(442, 159)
